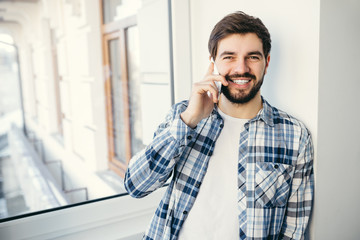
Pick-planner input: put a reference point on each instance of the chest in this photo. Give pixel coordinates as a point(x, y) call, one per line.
point(265, 158)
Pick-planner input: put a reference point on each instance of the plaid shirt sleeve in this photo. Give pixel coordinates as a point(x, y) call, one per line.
point(300, 202)
point(150, 168)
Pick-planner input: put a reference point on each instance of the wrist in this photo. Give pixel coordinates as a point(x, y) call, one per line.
point(188, 119)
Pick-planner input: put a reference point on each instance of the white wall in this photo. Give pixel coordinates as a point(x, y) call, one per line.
point(337, 210)
point(155, 63)
point(181, 39)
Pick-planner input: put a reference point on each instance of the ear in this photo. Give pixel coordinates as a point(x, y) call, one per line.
point(267, 63)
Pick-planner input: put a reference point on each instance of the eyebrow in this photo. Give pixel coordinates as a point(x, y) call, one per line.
point(256, 53)
point(227, 53)
point(249, 53)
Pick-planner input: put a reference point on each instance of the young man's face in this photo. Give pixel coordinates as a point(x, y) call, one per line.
point(240, 58)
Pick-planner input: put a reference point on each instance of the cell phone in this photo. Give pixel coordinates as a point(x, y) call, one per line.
point(216, 72)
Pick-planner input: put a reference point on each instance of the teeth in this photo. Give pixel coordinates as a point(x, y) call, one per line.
point(241, 82)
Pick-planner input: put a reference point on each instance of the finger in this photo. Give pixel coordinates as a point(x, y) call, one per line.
point(213, 94)
point(205, 86)
point(221, 79)
point(214, 77)
point(217, 78)
point(210, 69)
point(213, 97)
point(209, 87)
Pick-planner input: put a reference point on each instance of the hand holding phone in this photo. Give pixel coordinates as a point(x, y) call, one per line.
point(205, 94)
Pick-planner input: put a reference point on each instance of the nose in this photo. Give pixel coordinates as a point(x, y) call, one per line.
point(241, 66)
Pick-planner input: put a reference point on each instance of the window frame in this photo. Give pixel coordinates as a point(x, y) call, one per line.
point(111, 31)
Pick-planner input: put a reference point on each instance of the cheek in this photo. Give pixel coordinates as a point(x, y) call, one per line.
point(260, 69)
point(224, 70)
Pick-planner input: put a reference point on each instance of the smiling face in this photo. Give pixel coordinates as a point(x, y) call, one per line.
point(240, 58)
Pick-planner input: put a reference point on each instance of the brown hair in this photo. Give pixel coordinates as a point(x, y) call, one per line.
point(241, 23)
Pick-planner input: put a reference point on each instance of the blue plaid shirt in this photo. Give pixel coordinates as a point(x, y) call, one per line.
point(275, 173)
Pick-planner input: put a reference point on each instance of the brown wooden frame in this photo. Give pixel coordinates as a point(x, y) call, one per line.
point(110, 31)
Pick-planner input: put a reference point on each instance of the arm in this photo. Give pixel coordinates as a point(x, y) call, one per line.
point(302, 190)
point(150, 168)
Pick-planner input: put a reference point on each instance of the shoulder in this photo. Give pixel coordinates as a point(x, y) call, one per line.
point(181, 106)
point(284, 120)
point(176, 110)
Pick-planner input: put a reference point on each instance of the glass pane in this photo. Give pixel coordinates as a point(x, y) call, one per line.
point(10, 100)
point(115, 10)
point(132, 40)
point(37, 171)
point(12, 196)
point(117, 100)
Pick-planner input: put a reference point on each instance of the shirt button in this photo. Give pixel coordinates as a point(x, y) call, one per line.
point(185, 212)
point(276, 166)
point(221, 125)
point(197, 185)
point(189, 137)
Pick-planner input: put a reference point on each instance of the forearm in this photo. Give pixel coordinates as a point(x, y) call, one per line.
point(149, 169)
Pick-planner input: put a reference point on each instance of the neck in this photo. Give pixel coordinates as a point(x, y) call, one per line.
point(244, 110)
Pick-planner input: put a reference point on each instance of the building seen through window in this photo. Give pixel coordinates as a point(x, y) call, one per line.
point(12, 199)
point(72, 104)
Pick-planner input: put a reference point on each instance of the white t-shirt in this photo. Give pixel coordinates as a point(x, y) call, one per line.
point(215, 211)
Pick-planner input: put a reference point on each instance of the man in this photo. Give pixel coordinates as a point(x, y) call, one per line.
point(239, 168)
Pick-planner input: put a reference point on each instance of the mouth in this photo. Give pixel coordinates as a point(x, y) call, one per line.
point(241, 82)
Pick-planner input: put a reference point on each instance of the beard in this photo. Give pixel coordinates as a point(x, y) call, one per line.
point(240, 97)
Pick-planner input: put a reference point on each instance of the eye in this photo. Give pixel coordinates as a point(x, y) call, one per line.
point(254, 58)
point(228, 58)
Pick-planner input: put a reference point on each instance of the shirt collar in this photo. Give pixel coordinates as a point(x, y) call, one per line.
point(266, 113)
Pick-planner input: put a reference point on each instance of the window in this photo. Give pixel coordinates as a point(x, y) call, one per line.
point(114, 10)
point(62, 71)
point(122, 84)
